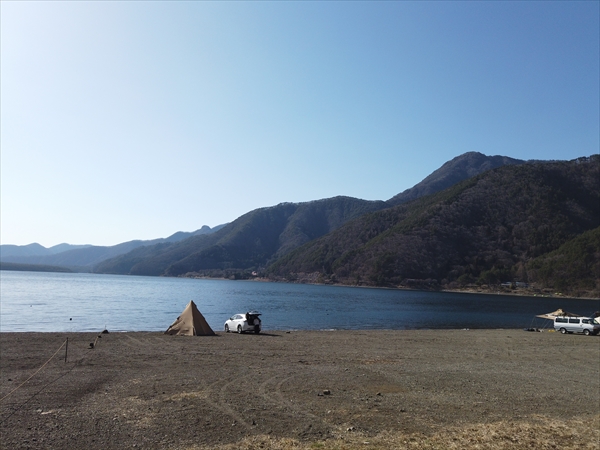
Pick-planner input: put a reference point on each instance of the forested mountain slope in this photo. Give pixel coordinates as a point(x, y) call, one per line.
point(457, 169)
point(264, 235)
point(574, 267)
point(486, 229)
point(249, 242)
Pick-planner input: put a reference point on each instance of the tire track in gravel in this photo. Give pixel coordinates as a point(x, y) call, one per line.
point(151, 342)
point(135, 343)
point(221, 403)
point(164, 342)
point(278, 398)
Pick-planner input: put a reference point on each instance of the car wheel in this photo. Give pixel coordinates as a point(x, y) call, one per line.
point(563, 331)
point(239, 329)
point(226, 328)
point(257, 330)
point(586, 332)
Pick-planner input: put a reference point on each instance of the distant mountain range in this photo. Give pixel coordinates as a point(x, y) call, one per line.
point(250, 242)
point(35, 249)
point(260, 237)
point(476, 220)
point(83, 257)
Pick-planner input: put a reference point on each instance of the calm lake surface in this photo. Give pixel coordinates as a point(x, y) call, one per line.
point(38, 301)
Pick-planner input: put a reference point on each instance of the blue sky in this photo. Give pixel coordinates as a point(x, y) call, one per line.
point(134, 120)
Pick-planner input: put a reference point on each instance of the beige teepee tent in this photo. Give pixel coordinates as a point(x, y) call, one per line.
point(191, 323)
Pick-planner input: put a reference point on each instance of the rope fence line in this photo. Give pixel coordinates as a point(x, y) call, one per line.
point(35, 373)
point(69, 370)
point(65, 343)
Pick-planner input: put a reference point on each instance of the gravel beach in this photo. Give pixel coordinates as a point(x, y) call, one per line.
point(304, 389)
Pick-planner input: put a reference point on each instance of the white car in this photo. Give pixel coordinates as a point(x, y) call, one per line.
point(244, 322)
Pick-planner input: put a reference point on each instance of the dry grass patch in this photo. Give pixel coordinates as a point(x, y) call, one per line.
point(537, 433)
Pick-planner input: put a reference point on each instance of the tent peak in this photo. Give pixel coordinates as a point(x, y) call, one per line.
point(191, 322)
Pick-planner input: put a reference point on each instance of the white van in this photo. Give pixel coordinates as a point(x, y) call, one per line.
point(585, 325)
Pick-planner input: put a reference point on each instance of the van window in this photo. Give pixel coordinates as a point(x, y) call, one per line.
point(562, 319)
point(574, 321)
point(586, 320)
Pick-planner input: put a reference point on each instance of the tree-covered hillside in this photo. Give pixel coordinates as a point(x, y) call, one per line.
point(454, 171)
point(483, 230)
point(499, 226)
point(249, 242)
point(574, 267)
point(266, 234)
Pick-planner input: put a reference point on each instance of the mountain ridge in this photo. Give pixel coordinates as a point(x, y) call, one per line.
point(79, 257)
point(259, 237)
point(457, 169)
point(483, 230)
point(249, 241)
point(441, 233)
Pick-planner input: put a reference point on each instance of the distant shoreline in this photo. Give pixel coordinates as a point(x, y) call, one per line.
point(17, 267)
point(519, 291)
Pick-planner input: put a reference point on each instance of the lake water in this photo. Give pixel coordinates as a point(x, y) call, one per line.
point(38, 301)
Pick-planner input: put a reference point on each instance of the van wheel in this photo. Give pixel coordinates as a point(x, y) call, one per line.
point(586, 332)
point(563, 331)
point(239, 329)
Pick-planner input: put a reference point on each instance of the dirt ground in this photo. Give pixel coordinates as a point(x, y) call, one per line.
point(305, 389)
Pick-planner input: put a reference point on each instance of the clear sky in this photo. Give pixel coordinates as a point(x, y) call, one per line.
point(134, 120)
